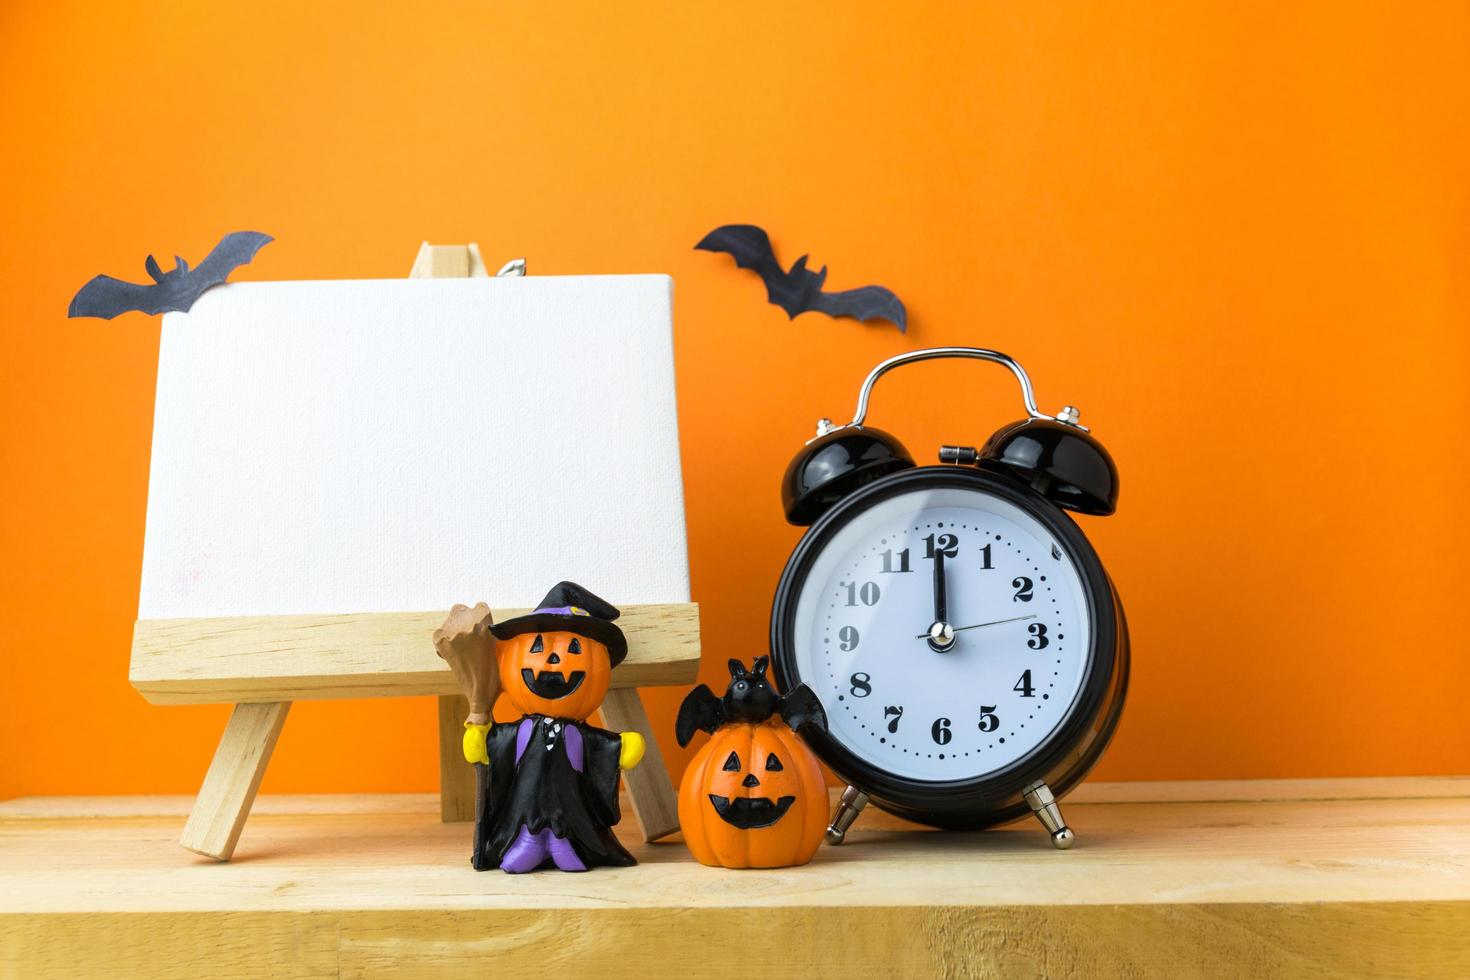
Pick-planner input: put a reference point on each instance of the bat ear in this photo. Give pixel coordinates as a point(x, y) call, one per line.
point(1062, 462)
point(180, 265)
point(759, 666)
point(151, 264)
point(835, 464)
point(737, 669)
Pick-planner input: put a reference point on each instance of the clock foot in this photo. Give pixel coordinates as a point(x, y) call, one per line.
point(852, 803)
point(1039, 797)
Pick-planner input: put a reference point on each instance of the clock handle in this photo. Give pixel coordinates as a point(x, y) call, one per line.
point(1067, 415)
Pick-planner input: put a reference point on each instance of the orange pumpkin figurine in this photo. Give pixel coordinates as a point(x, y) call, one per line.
point(754, 796)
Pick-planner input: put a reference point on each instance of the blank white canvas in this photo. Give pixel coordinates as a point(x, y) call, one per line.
point(392, 445)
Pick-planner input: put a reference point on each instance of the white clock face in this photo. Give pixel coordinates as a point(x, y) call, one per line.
point(992, 685)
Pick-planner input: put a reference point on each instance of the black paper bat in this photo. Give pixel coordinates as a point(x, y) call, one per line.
point(800, 290)
point(750, 698)
point(177, 289)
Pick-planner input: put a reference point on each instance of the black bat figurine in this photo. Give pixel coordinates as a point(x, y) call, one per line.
point(750, 697)
point(800, 290)
point(177, 289)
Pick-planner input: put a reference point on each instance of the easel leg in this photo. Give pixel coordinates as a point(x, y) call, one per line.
point(234, 776)
point(456, 776)
point(649, 786)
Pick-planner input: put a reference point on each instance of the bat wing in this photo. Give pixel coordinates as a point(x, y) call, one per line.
point(864, 303)
point(801, 708)
point(105, 297)
point(701, 711)
point(749, 246)
point(234, 250)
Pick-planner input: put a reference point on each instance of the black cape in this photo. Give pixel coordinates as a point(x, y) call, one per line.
point(544, 791)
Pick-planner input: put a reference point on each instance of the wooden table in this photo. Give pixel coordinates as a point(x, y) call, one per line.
point(1317, 878)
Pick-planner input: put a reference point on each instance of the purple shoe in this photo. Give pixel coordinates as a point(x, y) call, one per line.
point(526, 853)
point(563, 855)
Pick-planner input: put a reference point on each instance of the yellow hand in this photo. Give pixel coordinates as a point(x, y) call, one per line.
point(474, 743)
point(632, 753)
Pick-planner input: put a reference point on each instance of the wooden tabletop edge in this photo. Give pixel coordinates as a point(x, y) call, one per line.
point(1088, 794)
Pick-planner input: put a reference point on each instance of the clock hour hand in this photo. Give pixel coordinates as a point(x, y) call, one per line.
point(941, 600)
point(940, 636)
point(975, 626)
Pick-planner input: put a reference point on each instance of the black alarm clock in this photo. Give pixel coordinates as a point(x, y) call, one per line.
point(961, 633)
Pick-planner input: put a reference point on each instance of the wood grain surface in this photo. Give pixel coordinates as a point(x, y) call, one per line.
point(1159, 884)
point(299, 658)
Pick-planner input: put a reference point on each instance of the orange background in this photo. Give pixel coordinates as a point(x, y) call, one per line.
point(1237, 236)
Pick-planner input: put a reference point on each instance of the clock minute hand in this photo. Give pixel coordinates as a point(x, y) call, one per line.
point(975, 626)
point(995, 622)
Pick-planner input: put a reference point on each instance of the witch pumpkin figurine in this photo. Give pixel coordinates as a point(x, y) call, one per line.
point(547, 785)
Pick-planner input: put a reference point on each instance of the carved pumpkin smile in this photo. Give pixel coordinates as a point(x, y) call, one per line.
point(552, 684)
point(749, 812)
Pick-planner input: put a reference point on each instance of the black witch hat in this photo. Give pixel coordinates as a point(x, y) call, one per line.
point(570, 608)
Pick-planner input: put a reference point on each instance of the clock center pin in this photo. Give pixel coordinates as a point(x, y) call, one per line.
point(941, 637)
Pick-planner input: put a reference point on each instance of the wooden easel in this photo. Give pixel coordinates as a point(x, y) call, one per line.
point(262, 664)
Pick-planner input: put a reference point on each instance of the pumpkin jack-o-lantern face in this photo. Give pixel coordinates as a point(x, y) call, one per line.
point(562, 674)
point(748, 812)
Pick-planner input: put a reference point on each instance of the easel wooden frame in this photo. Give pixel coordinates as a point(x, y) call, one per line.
point(262, 664)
